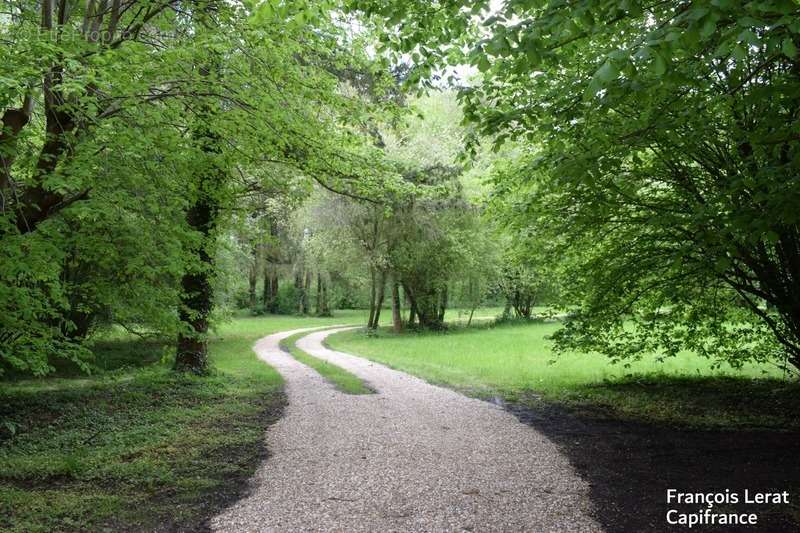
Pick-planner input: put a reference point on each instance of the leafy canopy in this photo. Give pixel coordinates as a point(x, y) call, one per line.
point(661, 163)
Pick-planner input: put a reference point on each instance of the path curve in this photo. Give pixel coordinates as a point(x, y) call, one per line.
point(413, 457)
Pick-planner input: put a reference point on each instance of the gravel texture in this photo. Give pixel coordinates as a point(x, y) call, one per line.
point(412, 457)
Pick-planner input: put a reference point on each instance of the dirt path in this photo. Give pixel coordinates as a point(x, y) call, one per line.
point(413, 457)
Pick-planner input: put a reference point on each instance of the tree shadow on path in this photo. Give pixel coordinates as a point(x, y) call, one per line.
point(629, 467)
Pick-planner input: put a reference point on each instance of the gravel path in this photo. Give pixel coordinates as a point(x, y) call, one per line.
point(413, 457)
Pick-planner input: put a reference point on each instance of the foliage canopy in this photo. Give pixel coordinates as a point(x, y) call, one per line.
point(661, 159)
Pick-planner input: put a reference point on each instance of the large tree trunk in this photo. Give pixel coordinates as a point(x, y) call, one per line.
point(197, 292)
point(196, 299)
point(397, 318)
point(37, 203)
point(11, 124)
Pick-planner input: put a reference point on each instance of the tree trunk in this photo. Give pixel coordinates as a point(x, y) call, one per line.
point(379, 299)
point(306, 291)
point(507, 309)
point(37, 203)
point(412, 308)
point(11, 124)
point(371, 319)
point(319, 295)
point(271, 260)
point(273, 291)
point(397, 319)
point(267, 292)
point(253, 279)
point(298, 285)
point(197, 294)
point(442, 303)
point(325, 309)
point(196, 297)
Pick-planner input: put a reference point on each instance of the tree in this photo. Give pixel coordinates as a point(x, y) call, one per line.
point(210, 173)
point(152, 103)
point(63, 143)
point(56, 65)
point(349, 236)
point(663, 165)
point(433, 241)
point(522, 286)
point(425, 237)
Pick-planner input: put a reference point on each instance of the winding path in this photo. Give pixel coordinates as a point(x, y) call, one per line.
point(413, 457)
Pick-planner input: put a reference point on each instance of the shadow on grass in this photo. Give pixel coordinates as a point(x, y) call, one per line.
point(700, 402)
point(629, 464)
point(129, 353)
point(149, 450)
point(105, 356)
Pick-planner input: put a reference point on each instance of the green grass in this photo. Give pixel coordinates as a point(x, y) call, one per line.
point(137, 447)
point(339, 377)
point(516, 362)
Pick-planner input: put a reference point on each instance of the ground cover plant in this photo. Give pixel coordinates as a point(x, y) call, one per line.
point(140, 447)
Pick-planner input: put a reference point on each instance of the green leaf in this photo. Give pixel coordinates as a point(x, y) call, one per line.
point(708, 28)
point(722, 264)
point(591, 90)
point(607, 72)
point(771, 237)
point(749, 37)
point(789, 48)
point(659, 65)
point(697, 13)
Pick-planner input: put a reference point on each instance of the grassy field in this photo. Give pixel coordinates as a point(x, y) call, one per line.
point(515, 362)
point(339, 377)
point(136, 447)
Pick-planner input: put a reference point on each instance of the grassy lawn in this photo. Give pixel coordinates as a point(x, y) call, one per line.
point(515, 362)
point(135, 447)
point(343, 380)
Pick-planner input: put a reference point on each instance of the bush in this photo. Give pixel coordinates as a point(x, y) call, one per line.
point(288, 300)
